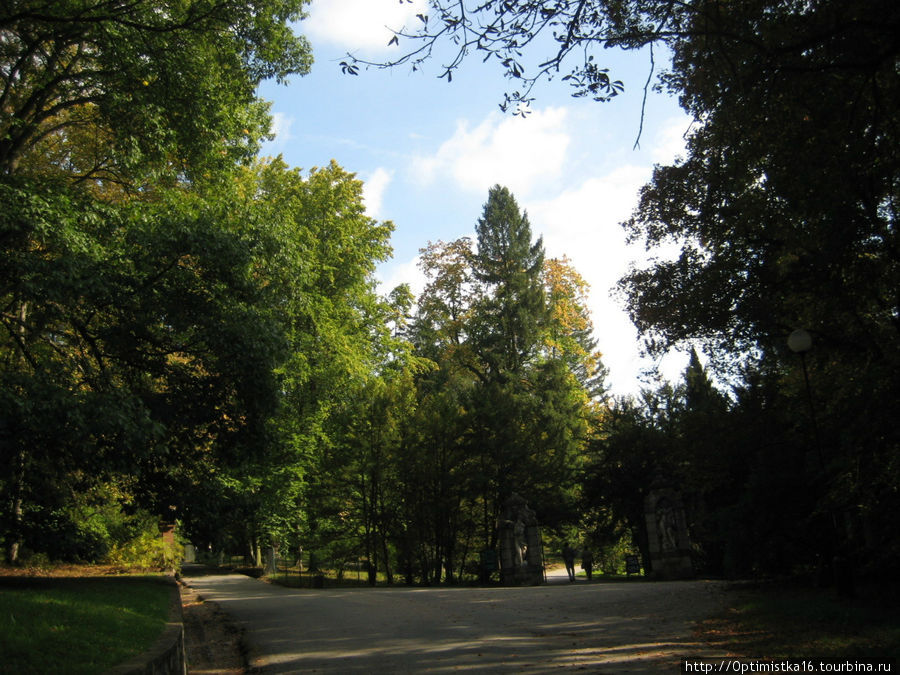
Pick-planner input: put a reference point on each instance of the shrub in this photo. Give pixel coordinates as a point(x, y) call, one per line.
point(147, 551)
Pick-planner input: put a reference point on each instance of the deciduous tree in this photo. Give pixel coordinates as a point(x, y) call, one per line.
point(143, 88)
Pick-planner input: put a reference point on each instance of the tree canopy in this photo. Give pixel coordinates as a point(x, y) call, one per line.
point(539, 40)
point(188, 329)
point(98, 89)
point(784, 208)
point(786, 213)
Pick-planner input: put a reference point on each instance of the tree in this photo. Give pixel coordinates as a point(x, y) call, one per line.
point(194, 348)
point(135, 343)
point(315, 262)
point(728, 457)
point(792, 223)
point(569, 330)
point(509, 335)
point(504, 337)
point(130, 332)
point(119, 91)
point(510, 315)
point(634, 445)
point(785, 208)
point(445, 305)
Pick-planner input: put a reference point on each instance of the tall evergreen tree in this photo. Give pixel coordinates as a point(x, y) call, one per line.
point(509, 264)
point(508, 407)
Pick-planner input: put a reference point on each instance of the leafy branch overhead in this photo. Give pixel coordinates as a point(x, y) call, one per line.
point(169, 85)
point(531, 41)
point(534, 41)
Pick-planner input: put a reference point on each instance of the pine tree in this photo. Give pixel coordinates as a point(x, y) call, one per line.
point(512, 312)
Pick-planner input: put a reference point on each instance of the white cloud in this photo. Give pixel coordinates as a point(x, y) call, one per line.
point(584, 225)
point(281, 127)
point(393, 274)
point(373, 191)
point(669, 141)
point(360, 24)
point(582, 222)
point(519, 153)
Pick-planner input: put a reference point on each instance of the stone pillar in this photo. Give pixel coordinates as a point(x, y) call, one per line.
point(167, 531)
point(271, 563)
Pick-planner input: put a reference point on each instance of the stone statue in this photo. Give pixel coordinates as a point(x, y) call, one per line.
point(667, 533)
point(520, 541)
point(520, 544)
point(666, 527)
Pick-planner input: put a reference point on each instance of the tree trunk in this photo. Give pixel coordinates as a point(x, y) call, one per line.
point(465, 552)
point(388, 573)
point(18, 510)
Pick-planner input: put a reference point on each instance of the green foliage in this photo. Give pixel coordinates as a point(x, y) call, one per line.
point(182, 341)
point(123, 91)
point(507, 407)
point(178, 322)
point(133, 326)
point(146, 551)
point(791, 222)
point(491, 399)
point(313, 256)
point(610, 559)
point(785, 210)
point(508, 317)
point(135, 339)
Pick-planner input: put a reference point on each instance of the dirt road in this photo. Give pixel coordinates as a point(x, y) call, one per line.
point(591, 627)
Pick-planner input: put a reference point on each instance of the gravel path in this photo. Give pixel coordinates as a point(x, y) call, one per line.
point(593, 627)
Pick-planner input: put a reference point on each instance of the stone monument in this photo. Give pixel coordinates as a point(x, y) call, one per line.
point(667, 534)
point(521, 550)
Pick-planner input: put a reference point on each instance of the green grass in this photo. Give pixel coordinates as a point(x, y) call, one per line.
point(80, 625)
point(792, 623)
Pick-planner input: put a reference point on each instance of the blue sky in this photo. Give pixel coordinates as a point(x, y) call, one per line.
point(428, 152)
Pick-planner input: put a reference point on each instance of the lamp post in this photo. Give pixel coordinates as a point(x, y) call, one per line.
point(800, 342)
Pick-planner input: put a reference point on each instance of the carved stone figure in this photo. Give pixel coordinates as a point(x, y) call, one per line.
point(666, 527)
point(521, 560)
point(521, 544)
point(667, 535)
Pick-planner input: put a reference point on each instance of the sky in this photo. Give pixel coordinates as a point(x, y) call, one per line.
point(428, 151)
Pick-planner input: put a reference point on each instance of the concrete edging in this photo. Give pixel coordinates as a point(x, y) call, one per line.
point(166, 656)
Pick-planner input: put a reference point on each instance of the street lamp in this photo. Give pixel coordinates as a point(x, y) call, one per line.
point(800, 342)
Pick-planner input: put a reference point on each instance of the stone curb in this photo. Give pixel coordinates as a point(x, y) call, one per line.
point(166, 656)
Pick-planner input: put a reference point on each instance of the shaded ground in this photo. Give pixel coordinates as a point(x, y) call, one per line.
point(778, 621)
point(213, 642)
point(597, 627)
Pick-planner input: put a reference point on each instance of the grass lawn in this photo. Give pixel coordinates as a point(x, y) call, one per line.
point(78, 625)
point(797, 623)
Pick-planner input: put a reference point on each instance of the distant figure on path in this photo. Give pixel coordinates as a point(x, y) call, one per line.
point(568, 554)
point(587, 562)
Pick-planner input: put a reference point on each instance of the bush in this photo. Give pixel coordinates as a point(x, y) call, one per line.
point(147, 551)
point(59, 536)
